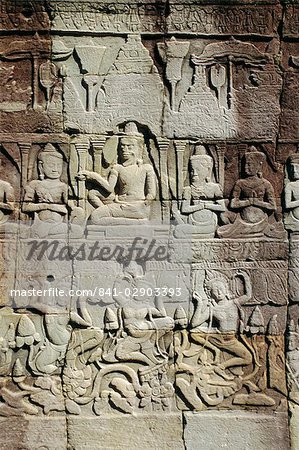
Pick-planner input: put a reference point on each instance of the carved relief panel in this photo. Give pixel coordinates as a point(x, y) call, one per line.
point(148, 209)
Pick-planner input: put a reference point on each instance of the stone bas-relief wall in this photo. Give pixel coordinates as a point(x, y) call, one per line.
point(149, 225)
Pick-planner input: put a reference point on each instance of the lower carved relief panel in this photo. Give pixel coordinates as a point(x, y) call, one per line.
point(144, 363)
point(229, 371)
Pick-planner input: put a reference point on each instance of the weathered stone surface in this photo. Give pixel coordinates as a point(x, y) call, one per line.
point(242, 430)
point(226, 101)
point(289, 59)
point(212, 18)
point(294, 426)
point(110, 16)
point(115, 432)
point(149, 223)
point(33, 433)
point(291, 28)
point(20, 15)
point(229, 370)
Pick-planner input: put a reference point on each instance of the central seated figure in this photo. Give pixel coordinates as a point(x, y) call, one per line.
point(130, 186)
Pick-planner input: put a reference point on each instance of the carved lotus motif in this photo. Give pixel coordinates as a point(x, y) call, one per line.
point(76, 382)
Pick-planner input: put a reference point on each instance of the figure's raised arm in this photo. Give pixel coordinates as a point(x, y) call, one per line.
point(108, 184)
point(201, 312)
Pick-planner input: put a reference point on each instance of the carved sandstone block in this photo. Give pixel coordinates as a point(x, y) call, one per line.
point(32, 98)
point(229, 371)
point(291, 22)
point(294, 431)
point(213, 17)
point(112, 17)
point(23, 16)
point(129, 371)
point(220, 99)
point(33, 433)
point(148, 431)
point(236, 430)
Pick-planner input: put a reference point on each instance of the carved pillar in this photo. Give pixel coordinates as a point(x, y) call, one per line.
point(24, 151)
point(180, 147)
point(163, 147)
point(82, 152)
point(35, 80)
point(230, 82)
point(97, 147)
point(241, 152)
point(220, 152)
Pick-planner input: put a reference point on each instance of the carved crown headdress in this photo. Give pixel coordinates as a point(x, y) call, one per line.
point(49, 149)
point(212, 277)
point(200, 157)
point(131, 130)
point(260, 156)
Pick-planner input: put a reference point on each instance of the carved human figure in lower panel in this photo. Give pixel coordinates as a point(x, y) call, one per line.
point(23, 395)
point(217, 363)
point(27, 386)
point(127, 368)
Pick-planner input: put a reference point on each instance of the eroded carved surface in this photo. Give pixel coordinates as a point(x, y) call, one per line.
point(149, 220)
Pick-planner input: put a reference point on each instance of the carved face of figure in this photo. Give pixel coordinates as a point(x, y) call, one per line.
point(51, 166)
point(201, 168)
point(129, 149)
point(133, 269)
point(218, 291)
point(295, 170)
point(253, 164)
point(293, 341)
